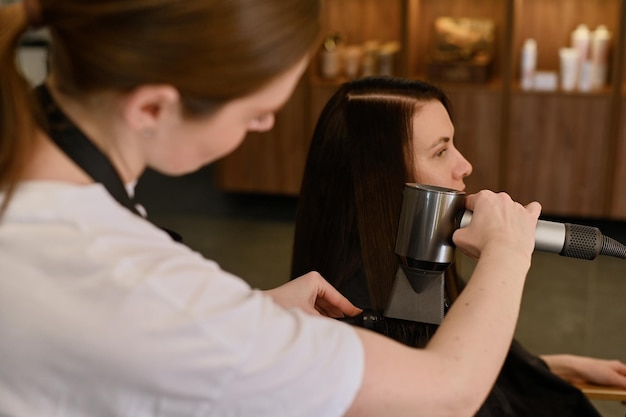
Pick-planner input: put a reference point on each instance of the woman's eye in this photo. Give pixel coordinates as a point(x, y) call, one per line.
point(441, 152)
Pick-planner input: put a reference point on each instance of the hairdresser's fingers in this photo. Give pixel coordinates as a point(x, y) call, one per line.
point(313, 294)
point(332, 309)
point(534, 208)
point(497, 220)
point(485, 195)
point(330, 302)
point(473, 200)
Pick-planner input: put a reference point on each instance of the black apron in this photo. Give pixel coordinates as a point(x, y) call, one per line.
point(77, 146)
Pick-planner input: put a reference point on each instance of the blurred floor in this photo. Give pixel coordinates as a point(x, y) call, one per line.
point(569, 305)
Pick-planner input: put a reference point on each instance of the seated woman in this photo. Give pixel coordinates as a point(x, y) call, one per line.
point(373, 136)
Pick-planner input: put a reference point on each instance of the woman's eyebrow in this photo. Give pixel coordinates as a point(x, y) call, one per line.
point(444, 139)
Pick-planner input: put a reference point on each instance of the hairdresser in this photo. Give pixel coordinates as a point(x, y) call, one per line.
point(104, 314)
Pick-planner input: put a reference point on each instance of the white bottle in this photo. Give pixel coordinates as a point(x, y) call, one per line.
point(330, 62)
point(528, 63)
point(581, 38)
point(585, 74)
point(580, 41)
point(599, 55)
point(568, 68)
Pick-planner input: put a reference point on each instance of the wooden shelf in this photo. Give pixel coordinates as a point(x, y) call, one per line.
point(604, 92)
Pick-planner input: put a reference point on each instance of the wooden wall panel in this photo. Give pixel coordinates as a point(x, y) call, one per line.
point(271, 162)
point(477, 117)
point(364, 20)
point(558, 151)
point(618, 193)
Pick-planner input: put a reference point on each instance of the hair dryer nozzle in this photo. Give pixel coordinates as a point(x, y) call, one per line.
point(428, 218)
point(586, 242)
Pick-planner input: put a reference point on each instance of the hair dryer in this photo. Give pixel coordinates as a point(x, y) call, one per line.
point(428, 218)
point(430, 215)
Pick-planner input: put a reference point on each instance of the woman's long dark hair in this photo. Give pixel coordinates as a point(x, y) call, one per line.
point(359, 160)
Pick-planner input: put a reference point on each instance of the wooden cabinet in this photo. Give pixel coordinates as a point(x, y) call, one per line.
point(560, 146)
point(555, 155)
point(617, 165)
point(618, 168)
point(564, 149)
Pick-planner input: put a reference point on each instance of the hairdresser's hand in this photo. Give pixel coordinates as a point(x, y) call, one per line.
point(586, 370)
point(498, 222)
point(315, 295)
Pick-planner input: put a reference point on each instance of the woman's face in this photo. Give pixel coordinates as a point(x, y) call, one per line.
point(436, 160)
point(194, 143)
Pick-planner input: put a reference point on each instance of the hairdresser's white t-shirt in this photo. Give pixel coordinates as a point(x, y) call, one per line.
point(102, 314)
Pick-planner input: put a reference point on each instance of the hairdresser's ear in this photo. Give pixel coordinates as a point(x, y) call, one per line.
point(149, 107)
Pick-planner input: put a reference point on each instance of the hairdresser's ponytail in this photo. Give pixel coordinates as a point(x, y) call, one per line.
point(17, 121)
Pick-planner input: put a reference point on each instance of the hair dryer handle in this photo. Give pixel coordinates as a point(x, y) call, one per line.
point(549, 236)
point(570, 240)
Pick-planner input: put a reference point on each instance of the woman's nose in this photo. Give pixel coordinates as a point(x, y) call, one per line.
point(464, 167)
point(262, 124)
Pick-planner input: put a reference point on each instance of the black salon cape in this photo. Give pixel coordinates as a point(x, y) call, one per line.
point(525, 387)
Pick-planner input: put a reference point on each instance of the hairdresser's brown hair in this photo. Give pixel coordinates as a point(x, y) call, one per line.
point(211, 50)
point(17, 125)
point(359, 160)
